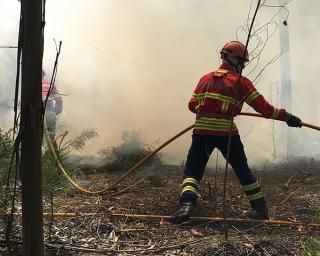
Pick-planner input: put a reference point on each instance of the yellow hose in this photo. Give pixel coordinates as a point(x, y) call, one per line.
point(137, 165)
point(60, 167)
point(121, 178)
point(259, 115)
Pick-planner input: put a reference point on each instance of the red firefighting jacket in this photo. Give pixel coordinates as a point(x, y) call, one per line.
point(221, 93)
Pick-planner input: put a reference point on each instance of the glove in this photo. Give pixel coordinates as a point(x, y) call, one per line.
point(294, 121)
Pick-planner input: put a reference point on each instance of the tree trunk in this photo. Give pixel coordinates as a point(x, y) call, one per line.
point(30, 126)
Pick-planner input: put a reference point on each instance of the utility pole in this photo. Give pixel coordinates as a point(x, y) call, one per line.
point(30, 127)
point(285, 62)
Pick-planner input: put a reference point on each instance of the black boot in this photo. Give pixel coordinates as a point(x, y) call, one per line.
point(182, 214)
point(259, 214)
point(259, 209)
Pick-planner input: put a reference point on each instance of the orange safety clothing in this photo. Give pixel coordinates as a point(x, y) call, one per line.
point(220, 94)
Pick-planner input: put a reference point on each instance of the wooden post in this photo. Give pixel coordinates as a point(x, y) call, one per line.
point(30, 126)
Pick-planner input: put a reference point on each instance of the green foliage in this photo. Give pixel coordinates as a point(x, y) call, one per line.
point(52, 179)
point(6, 149)
point(313, 248)
point(75, 144)
point(128, 153)
point(65, 147)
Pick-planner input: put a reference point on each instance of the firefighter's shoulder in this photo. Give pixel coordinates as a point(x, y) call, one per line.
point(220, 72)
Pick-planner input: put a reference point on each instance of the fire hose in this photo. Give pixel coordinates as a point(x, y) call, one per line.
point(137, 165)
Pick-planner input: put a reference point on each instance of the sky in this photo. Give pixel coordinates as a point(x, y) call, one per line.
point(133, 65)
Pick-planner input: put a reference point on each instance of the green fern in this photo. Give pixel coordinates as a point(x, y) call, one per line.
point(78, 143)
point(65, 147)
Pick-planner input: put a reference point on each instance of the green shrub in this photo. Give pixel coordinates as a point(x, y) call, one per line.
point(6, 149)
point(313, 248)
point(65, 147)
point(128, 153)
point(52, 179)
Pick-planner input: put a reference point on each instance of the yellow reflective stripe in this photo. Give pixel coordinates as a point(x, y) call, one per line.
point(275, 113)
point(192, 189)
point(255, 196)
point(214, 128)
point(252, 96)
point(238, 105)
point(214, 124)
point(222, 123)
point(194, 96)
point(223, 98)
point(224, 107)
point(213, 120)
point(250, 186)
point(217, 96)
point(223, 71)
point(192, 181)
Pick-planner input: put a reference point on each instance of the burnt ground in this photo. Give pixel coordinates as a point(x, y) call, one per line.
point(292, 191)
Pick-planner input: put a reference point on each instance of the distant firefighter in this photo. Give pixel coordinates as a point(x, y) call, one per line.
point(54, 105)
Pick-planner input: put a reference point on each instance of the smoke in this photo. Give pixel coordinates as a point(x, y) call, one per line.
point(9, 13)
point(133, 65)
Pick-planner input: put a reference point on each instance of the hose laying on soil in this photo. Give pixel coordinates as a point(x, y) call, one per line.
point(137, 165)
point(203, 218)
point(122, 177)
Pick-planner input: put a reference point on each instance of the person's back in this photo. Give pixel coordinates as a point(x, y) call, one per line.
point(218, 97)
point(54, 105)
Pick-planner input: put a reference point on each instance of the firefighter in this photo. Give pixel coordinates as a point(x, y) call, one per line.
point(54, 106)
point(218, 96)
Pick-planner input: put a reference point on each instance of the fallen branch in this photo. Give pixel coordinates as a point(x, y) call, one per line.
point(165, 218)
point(220, 219)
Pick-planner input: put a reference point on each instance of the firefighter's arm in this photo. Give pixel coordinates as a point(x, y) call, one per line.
point(58, 102)
point(193, 103)
point(254, 99)
point(59, 105)
point(259, 104)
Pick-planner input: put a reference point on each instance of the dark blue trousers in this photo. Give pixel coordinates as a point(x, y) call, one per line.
point(198, 156)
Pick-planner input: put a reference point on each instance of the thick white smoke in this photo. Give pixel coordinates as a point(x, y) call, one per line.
point(133, 64)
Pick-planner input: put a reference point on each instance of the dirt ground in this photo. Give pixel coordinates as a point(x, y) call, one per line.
point(292, 191)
